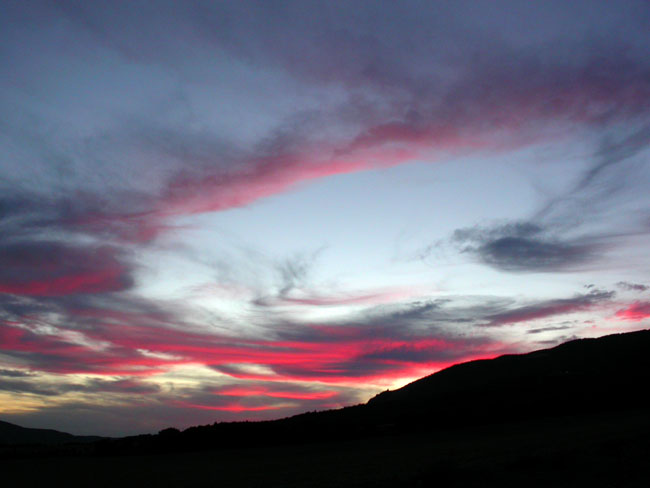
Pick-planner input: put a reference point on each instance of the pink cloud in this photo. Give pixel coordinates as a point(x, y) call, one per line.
point(91, 282)
point(265, 391)
point(333, 355)
point(232, 407)
point(635, 312)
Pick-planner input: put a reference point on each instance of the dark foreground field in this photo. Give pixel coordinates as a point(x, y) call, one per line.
point(605, 450)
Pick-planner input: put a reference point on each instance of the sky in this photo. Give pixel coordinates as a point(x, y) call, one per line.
point(217, 211)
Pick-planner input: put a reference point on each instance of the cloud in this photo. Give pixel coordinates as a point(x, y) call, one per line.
point(572, 230)
point(45, 386)
point(360, 298)
point(17, 386)
point(259, 396)
point(635, 312)
point(294, 272)
point(289, 392)
point(625, 285)
point(15, 373)
point(547, 329)
point(50, 268)
point(550, 308)
point(613, 172)
point(525, 247)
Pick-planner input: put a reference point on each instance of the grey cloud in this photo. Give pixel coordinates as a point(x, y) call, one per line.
point(292, 273)
point(42, 267)
point(37, 386)
point(415, 354)
point(18, 386)
point(614, 172)
point(547, 329)
point(295, 271)
point(15, 373)
point(526, 247)
point(550, 308)
point(632, 286)
point(127, 386)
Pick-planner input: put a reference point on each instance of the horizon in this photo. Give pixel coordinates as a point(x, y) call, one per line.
point(217, 212)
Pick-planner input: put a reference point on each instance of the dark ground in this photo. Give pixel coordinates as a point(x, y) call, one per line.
point(604, 450)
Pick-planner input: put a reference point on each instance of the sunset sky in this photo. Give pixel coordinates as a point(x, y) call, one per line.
point(236, 210)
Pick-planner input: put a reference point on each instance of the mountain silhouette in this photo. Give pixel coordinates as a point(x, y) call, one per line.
point(11, 434)
point(580, 376)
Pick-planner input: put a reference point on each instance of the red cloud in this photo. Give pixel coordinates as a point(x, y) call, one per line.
point(102, 281)
point(231, 407)
point(239, 391)
point(637, 311)
point(345, 356)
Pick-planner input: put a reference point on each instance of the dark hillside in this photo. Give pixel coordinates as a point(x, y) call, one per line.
point(11, 434)
point(581, 376)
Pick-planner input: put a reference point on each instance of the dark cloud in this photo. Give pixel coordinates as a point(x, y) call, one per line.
point(421, 353)
point(15, 373)
point(38, 386)
point(547, 242)
point(550, 308)
point(625, 285)
point(547, 329)
point(126, 386)
point(525, 247)
point(17, 386)
point(50, 268)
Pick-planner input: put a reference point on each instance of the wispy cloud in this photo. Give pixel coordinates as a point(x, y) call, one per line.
point(625, 285)
point(551, 308)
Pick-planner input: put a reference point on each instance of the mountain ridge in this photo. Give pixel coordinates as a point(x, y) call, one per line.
point(12, 434)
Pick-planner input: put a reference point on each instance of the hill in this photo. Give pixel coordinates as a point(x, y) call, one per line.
point(577, 377)
point(11, 435)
